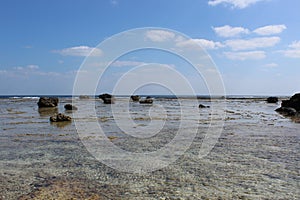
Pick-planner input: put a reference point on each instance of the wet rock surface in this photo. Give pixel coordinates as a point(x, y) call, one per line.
point(107, 98)
point(291, 108)
point(286, 111)
point(135, 97)
point(203, 106)
point(84, 97)
point(47, 102)
point(60, 118)
point(272, 99)
point(293, 102)
point(147, 100)
point(70, 107)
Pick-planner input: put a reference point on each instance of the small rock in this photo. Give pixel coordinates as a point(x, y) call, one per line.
point(84, 97)
point(148, 100)
point(135, 97)
point(272, 99)
point(60, 118)
point(70, 107)
point(203, 106)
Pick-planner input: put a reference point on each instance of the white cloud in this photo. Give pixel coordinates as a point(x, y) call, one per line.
point(127, 63)
point(271, 65)
point(254, 43)
point(114, 2)
point(33, 67)
point(270, 30)
point(159, 35)
point(234, 3)
point(80, 51)
point(196, 43)
point(3, 71)
point(26, 68)
point(228, 31)
point(247, 55)
point(295, 45)
point(293, 51)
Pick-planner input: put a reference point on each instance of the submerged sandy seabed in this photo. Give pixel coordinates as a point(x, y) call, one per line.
point(256, 157)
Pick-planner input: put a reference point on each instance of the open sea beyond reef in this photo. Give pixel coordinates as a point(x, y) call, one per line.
point(257, 155)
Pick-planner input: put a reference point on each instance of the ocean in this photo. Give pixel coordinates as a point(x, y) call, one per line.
point(255, 156)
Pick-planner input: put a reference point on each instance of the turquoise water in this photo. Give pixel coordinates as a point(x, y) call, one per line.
point(256, 157)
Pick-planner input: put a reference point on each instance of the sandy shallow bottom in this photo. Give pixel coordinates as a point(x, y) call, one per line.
point(257, 156)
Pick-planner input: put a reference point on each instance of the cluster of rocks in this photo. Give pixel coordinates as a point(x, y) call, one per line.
point(110, 99)
point(52, 102)
point(291, 107)
point(60, 118)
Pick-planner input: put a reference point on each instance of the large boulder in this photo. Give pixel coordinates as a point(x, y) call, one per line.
point(107, 98)
point(60, 118)
point(293, 102)
point(47, 102)
point(272, 99)
point(291, 107)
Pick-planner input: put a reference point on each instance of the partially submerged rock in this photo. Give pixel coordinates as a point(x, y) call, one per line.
point(84, 97)
point(47, 102)
point(70, 107)
point(203, 106)
point(291, 108)
point(107, 98)
point(135, 97)
point(287, 111)
point(148, 100)
point(272, 99)
point(293, 102)
point(60, 118)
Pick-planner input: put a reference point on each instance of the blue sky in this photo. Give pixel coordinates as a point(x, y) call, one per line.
point(255, 44)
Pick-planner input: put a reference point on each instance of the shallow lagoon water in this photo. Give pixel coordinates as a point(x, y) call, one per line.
point(256, 157)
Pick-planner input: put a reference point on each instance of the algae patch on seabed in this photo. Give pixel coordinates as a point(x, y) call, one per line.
point(61, 189)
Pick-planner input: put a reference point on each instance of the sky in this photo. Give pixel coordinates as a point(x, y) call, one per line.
point(254, 44)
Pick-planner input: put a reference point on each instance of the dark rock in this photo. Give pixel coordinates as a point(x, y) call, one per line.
point(107, 98)
point(47, 102)
point(272, 99)
point(135, 97)
point(84, 97)
point(293, 102)
point(70, 107)
point(148, 100)
point(60, 118)
point(291, 107)
point(287, 111)
point(203, 106)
